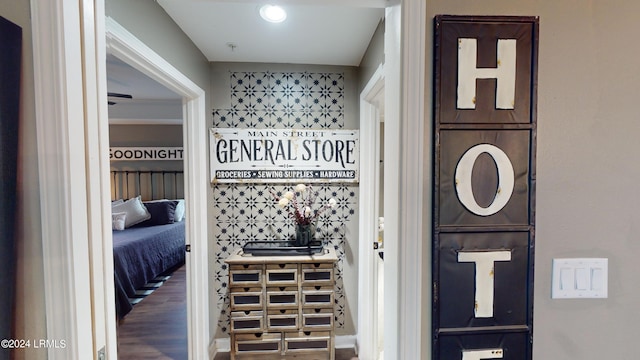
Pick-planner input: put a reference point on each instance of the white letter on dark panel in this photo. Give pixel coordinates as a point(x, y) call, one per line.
point(484, 278)
point(468, 73)
point(482, 354)
point(506, 179)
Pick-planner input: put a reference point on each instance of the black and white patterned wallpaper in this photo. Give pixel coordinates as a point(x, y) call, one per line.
point(284, 100)
point(245, 212)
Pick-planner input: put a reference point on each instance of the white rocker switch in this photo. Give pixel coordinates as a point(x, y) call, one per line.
point(580, 278)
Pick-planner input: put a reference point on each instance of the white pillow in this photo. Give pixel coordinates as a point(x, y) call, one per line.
point(180, 210)
point(118, 220)
point(116, 202)
point(135, 210)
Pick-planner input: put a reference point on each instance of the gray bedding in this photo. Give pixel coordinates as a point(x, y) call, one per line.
point(142, 253)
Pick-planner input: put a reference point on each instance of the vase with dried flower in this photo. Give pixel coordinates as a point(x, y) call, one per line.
point(298, 204)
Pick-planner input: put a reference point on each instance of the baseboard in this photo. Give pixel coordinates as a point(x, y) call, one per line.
point(346, 342)
point(223, 345)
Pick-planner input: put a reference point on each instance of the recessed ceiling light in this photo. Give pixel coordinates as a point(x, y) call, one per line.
point(273, 13)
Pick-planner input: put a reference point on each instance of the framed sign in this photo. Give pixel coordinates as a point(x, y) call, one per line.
point(145, 153)
point(283, 155)
point(484, 188)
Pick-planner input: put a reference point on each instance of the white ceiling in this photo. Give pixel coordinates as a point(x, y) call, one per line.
point(123, 78)
point(151, 102)
point(327, 32)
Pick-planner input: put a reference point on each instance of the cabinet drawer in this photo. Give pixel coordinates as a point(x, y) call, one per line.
point(317, 274)
point(282, 297)
point(257, 343)
point(317, 297)
point(317, 319)
point(246, 299)
point(245, 275)
point(247, 321)
point(282, 274)
point(307, 341)
point(284, 319)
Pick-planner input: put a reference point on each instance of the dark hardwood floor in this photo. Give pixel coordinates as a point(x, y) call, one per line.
point(156, 328)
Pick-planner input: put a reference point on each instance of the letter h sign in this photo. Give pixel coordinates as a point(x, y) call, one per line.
point(484, 188)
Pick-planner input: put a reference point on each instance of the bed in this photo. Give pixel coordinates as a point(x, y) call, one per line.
point(148, 237)
point(142, 253)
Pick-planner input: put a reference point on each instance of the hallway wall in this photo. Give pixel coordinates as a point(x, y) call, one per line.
point(587, 173)
point(29, 319)
point(160, 33)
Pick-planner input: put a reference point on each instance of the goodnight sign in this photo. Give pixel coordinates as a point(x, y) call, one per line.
point(284, 155)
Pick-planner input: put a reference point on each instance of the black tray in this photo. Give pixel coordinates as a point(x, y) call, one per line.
point(281, 248)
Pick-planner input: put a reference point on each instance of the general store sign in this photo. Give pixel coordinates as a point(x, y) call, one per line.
point(284, 155)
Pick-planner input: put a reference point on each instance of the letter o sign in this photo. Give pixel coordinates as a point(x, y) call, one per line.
point(506, 179)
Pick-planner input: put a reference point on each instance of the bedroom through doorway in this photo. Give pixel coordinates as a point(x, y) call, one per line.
point(148, 213)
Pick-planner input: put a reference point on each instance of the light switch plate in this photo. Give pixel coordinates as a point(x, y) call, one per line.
point(581, 278)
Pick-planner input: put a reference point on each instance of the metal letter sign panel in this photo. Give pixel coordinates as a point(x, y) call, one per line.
point(484, 193)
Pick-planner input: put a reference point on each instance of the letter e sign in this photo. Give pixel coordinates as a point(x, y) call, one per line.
point(484, 188)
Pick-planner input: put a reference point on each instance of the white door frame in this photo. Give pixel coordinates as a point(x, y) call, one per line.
point(369, 190)
point(71, 213)
point(407, 277)
point(70, 89)
point(407, 301)
point(415, 175)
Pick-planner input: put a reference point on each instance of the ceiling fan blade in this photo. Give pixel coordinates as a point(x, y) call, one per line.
point(119, 95)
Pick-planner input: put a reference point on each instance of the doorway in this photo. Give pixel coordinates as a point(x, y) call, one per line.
point(123, 45)
point(146, 146)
